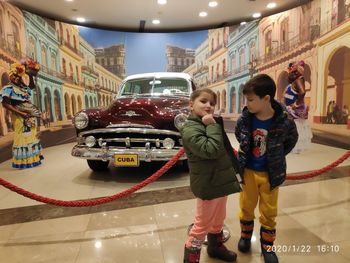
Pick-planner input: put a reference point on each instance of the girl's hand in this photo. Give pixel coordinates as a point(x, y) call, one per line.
point(208, 119)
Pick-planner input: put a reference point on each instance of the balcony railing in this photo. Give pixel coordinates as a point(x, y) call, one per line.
point(287, 46)
point(201, 69)
point(10, 48)
point(51, 72)
point(239, 70)
point(219, 78)
point(220, 46)
point(72, 48)
point(89, 70)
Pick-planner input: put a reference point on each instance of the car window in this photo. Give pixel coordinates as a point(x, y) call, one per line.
point(156, 86)
point(131, 87)
point(171, 86)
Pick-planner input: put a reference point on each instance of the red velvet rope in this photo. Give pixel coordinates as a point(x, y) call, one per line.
point(96, 201)
point(314, 173)
point(152, 178)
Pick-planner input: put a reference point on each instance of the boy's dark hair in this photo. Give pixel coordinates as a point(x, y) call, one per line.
point(260, 85)
point(195, 94)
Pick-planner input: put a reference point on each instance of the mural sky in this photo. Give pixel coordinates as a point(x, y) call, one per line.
point(144, 52)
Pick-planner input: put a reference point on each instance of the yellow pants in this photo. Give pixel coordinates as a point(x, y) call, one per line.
point(257, 188)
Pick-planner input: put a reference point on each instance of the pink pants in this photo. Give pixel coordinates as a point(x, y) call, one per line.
point(210, 216)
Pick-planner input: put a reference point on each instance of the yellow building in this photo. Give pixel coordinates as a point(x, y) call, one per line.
point(107, 85)
point(217, 64)
point(201, 75)
point(190, 69)
point(333, 64)
point(71, 62)
point(12, 49)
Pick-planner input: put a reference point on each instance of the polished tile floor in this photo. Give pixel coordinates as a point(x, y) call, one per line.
point(313, 221)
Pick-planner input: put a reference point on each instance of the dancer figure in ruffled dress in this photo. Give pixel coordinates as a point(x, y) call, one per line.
point(16, 97)
point(296, 106)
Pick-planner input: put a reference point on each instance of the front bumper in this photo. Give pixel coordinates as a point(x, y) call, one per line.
point(107, 153)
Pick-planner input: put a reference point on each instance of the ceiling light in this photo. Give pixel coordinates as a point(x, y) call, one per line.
point(69, 0)
point(213, 4)
point(271, 5)
point(203, 14)
point(155, 21)
point(81, 19)
point(256, 15)
point(162, 2)
point(243, 23)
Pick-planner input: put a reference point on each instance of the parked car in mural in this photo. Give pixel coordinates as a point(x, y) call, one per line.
point(141, 124)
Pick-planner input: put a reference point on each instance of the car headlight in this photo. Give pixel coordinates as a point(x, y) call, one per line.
point(90, 141)
point(81, 120)
point(180, 120)
point(168, 143)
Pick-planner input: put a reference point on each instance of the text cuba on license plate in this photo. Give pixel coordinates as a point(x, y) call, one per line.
point(126, 160)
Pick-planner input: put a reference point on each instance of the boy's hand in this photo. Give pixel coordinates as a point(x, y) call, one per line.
point(208, 119)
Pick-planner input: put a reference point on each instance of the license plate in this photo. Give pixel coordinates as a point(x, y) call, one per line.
point(126, 160)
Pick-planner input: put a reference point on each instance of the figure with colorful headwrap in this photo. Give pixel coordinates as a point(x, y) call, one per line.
point(16, 97)
point(294, 99)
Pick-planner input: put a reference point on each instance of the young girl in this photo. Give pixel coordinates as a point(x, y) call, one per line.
point(212, 176)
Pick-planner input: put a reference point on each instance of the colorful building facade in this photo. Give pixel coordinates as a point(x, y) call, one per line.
point(43, 47)
point(242, 54)
point(12, 49)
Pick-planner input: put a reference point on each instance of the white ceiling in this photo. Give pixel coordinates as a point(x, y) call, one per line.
point(176, 15)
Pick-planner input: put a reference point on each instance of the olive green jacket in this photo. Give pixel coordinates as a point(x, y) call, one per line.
point(211, 171)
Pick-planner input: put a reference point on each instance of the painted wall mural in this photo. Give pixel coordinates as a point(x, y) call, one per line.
point(83, 67)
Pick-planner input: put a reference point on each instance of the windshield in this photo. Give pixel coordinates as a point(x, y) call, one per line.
point(155, 86)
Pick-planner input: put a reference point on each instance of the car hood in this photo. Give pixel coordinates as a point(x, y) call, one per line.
point(158, 112)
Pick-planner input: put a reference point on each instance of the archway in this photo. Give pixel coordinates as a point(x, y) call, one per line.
point(80, 104)
point(7, 114)
point(74, 105)
point(5, 79)
point(67, 106)
point(57, 103)
point(233, 99)
point(242, 100)
point(282, 84)
point(47, 103)
point(337, 81)
point(307, 77)
point(218, 100)
point(223, 96)
point(86, 102)
point(99, 97)
point(91, 102)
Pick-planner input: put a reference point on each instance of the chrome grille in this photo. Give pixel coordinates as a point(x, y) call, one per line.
point(132, 140)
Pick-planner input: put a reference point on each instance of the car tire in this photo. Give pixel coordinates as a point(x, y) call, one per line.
point(98, 166)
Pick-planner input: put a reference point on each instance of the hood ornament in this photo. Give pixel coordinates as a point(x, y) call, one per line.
point(130, 113)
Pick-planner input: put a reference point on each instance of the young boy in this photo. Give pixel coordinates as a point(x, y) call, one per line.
point(266, 134)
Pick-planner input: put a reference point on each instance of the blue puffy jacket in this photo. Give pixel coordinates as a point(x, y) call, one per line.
point(281, 139)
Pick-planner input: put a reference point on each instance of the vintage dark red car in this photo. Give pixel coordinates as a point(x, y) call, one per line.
point(140, 125)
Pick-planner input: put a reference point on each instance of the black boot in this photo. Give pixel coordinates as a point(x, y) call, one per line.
point(246, 235)
point(192, 255)
point(267, 237)
point(216, 248)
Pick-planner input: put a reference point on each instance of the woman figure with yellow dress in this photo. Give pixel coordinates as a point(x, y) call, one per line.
point(16, 97)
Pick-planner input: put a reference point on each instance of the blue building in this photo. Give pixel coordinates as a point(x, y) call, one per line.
point(43, 46)
point(242, 51)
